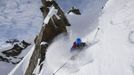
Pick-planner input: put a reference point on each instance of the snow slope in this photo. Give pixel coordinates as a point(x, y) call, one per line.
point(20, 68)
point(22, 19)
point(112, 55)
point(59, 52)
point(88, 21)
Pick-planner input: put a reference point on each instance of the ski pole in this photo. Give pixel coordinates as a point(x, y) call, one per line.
point(62, 66)
point(59, 68)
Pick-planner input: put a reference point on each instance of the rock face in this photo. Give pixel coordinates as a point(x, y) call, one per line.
point(16, 50)
point(12, 41)
point(11, 55)
point(75, 11)
point(48, 32)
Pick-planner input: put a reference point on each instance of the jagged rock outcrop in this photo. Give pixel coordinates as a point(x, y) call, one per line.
point(9, 60)
point(75, 11)
point(12, 41)
point(11, 55)
point(48, 32)
point(4, 59)
point(16, 50)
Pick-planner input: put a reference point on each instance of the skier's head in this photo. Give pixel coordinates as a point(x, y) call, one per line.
point(78, 41)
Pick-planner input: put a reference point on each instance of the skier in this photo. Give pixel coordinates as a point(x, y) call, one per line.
point(78, 44)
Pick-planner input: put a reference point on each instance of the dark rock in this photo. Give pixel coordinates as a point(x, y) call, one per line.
point(43, 52)
point(25, 44)
point(16, 50)
point(75, 11)
point(47, 34)
point(15, 62)
point(4, 59)
point(12, 41)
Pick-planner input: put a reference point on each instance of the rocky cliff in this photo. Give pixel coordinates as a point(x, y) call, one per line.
point(55, 26)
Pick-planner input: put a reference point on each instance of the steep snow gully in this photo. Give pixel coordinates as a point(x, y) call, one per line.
point(84, 26)
point(112, 54)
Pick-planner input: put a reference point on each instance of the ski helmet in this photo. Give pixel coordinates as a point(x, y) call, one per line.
point(78, 41)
